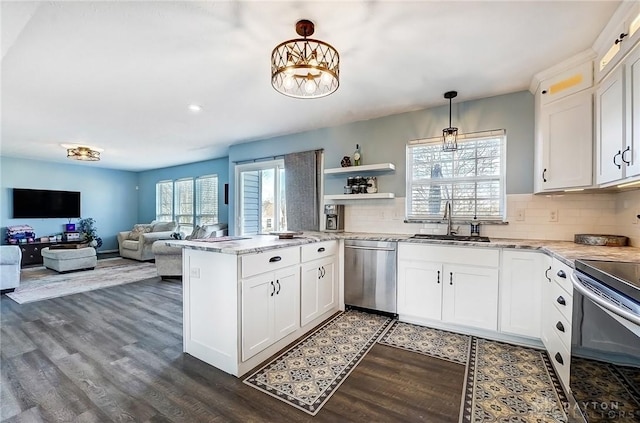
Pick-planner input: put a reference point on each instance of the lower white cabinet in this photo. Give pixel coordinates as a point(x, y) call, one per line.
point(457, 285)
point(270, 309)
point(521, 283)
point(317, 292)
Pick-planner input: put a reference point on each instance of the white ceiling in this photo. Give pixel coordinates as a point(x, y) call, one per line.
point(120, 75)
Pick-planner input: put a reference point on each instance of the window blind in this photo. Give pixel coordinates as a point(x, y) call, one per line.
point(164, 201)
point(207, 200)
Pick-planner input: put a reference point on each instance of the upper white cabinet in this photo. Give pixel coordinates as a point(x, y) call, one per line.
point(457, 285)
point(617, 121)
point(564, 134)
point(617, 38)
point(521, 282)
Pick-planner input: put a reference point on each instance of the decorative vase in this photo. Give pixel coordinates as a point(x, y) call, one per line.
point(93, 243)
point(346, 161)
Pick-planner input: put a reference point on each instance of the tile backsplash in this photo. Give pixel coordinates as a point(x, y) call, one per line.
point(552, 217)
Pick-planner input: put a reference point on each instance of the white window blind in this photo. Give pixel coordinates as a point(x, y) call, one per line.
point(207, 200)
point(184, 202)
point(164, 201)
point(471, 178)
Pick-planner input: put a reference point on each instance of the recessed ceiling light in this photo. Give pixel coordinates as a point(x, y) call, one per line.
point(74, 145)
point(195, 108)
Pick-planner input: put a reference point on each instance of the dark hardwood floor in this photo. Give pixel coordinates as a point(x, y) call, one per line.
point(116, 355)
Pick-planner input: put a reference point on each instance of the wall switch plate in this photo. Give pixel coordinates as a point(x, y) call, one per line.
point(194, 272)
point(553, 215)
point(520, 215)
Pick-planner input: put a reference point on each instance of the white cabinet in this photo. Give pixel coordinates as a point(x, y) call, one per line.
point(566, 143)
point(523, 276)
point(318, 286)
point(610, 127)
point(457, 285)
point(270, 304)
point(564, 133)
point(419, 288)
point(470, 296)
point(618, 37)
point(618, 122)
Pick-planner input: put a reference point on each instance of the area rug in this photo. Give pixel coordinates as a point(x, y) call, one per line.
point(504, 382)
point(39, 283)
point(306, 375)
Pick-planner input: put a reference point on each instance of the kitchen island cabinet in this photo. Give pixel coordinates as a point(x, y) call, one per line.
point(242, 304)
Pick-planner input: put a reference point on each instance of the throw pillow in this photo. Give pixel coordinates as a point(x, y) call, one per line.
point(194, 233)
point(164, 227)
point(176, 235)
point(138, 230)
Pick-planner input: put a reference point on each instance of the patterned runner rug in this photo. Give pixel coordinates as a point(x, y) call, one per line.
point(306, 375)
point(39, 283)
point(504, 383)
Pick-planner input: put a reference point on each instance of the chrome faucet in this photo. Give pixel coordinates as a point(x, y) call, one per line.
point(447, 215)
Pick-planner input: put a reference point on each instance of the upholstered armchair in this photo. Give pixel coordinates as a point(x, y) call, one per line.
point(10, 256)
point(169, 259)
point(136, 244)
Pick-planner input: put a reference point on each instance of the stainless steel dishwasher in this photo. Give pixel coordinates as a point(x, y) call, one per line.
point(370, 274)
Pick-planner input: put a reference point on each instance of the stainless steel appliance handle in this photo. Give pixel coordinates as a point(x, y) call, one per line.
point(368, 248)
point(605, 304)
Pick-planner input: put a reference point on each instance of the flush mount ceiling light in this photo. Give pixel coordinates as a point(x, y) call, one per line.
point(195, 108)
point(85, 154)
point(304, 67)
point(450, 134)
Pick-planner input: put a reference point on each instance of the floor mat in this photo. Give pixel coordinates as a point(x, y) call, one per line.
point(306, 375)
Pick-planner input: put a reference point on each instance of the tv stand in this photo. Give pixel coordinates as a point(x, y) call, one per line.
point(31, 252)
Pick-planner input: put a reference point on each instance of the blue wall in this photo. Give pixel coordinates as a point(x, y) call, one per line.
point(384, 140)
point(147, 185)
point(108, 196)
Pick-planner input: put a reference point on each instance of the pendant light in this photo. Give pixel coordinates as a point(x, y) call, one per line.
point(450, 134)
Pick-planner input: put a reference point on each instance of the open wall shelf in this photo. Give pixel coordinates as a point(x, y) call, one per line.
point(376, 196)
point(380, 167)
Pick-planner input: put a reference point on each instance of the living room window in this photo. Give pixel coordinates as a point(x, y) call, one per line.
point(471, 178)
point(207, 200)
point(183, 201)
point(164, 201)
point(261, 197)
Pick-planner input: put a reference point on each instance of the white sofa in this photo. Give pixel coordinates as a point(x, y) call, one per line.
point(10, 257)
point(169, 259)
point(136, 244)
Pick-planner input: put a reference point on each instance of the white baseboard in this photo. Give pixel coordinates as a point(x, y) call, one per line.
point(106, 251)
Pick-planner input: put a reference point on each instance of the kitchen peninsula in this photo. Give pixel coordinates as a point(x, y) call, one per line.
point(246, 299)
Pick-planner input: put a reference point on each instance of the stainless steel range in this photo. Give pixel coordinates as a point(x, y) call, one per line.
point(605, 341)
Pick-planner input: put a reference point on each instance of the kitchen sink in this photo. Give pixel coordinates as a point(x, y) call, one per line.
point(452, 237)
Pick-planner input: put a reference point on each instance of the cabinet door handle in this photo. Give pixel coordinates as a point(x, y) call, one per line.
point(546, 274)
point(322, 272)
point(561, 274)
point(619, 39)
point(273, 288)
point(561, 300)
point(614, 159)
point(321, 250)
point(275, 259)
point(559, 359)
point(319, 273)
point(450, 278)
point(544, 175)
point(278, 282)
point(626, 161)
point(560, 326)
point(544, 91)
point(438, 276)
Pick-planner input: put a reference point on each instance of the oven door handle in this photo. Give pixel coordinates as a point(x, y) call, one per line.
point(604, 304)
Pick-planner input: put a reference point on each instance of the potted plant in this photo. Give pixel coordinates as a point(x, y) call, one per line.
point(89, 232)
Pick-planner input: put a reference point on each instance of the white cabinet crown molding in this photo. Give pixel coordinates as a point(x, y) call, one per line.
point(565, 65)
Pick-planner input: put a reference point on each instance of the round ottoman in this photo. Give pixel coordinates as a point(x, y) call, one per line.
point(65, 260)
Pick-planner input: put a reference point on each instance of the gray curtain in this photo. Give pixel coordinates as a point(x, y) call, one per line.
point(302, 186)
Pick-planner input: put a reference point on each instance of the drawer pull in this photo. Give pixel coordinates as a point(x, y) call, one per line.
point(561, 274)
point(273, 289)
point(559, 359)
point(275, 259)
point(560, 326)
point(561, 300)
point(546, 274)
point(321, 250)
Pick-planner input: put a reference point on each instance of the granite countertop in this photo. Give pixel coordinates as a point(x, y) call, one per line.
point(565, 251)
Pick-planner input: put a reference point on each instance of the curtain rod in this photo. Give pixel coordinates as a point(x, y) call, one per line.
point(264, 159)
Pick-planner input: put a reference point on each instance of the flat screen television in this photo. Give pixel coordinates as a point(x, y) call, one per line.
point(40, 203)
